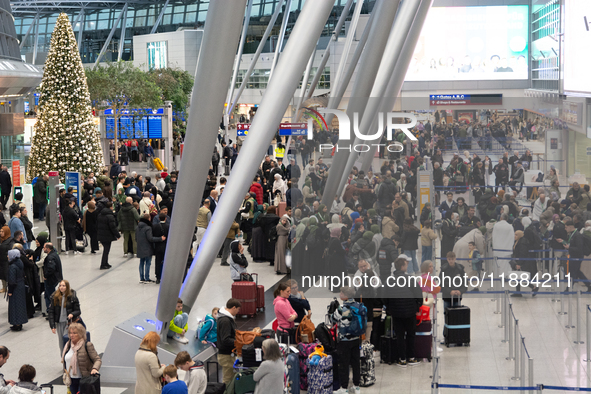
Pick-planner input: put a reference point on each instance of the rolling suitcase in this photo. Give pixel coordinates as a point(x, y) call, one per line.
point(251, 356)
point(320, 376)
point(46, 388)
point(457, 326)
point(158, 164)
point(246, 293)
point(216, 387)
point(292, 374)
point(368, 365)
point(305, 349)
point(388, 346)
point(260, 294)
point(424, 340)
point(43, 305)
point(281, 208)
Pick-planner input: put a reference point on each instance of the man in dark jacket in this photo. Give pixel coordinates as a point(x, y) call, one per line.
point(404, 301)
point(293, 170)
point(52, 271)
point(107, 232)
point(448, 290)
point(128, 217)
point(101, 201)
point(226, 338)
point(387, 191)
point(501, 174)
point(71, 219)
point(115, 171)
point(160, 229)
point(575, 243)
point(40, 195)
point(5, 186)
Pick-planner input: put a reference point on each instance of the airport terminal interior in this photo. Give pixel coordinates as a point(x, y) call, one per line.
point(224, 153)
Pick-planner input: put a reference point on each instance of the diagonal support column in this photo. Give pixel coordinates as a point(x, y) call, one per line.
point(218, 49)
point(239, 55)
point(368, 57)
point(110, 36)
point(326, 54)
point(155, 27)
point(256, 55)
point(36, 38)
point(401, 27)
point(395, 85)
point(82, 18)
point(122, 38)
point(29, 30)
point(281, 37)
point(279, 92)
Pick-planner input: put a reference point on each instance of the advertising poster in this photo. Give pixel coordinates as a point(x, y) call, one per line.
point(73, 180)
point(577, 35)
point(472, 43)
point(16, 173)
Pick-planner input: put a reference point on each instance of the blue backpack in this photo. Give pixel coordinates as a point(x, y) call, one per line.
point(358, 322)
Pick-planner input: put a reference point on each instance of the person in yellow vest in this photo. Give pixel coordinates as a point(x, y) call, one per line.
point(203, 218)
point(279, 151)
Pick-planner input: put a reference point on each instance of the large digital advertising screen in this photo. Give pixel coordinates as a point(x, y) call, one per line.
point(472, 43)
point(577, 44)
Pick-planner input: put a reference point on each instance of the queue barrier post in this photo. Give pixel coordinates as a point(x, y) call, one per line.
point(570, 311)
point(516, 346)
point(522, 360)
point(503, 315)
point(562, 312)
point(588, 331)
point(530, 373)
point(512, 339)
point(435, 377)
point(578, 340)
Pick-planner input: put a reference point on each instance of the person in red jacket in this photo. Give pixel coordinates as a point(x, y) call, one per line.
point(257, 189)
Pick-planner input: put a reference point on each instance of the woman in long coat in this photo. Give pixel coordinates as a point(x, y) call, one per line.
point(257, 241)
point(281, 245)
point(6, 243)
point(270, 220)
point(17, 296)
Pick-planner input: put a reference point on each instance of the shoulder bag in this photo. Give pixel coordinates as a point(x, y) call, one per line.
point(90, 384)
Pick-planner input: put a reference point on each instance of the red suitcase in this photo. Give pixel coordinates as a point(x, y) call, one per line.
point(281, 209)
point(246, 293)
point(260, 293)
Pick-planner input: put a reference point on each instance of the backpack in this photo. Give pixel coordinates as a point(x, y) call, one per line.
point(358, 322)
point(305, 331)
point(200, 328)
point(244, 338)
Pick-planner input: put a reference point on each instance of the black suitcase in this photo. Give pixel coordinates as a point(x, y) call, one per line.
point(214, 387)
point(457, 326)
point(251, 356)
point(46, 388)
point(388, 346)
point(424, 340)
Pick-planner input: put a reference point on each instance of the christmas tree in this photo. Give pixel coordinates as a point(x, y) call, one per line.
point(66, 138)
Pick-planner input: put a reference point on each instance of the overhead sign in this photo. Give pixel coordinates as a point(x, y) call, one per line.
point(287, 129)
point(465, 99)
point(242, 129)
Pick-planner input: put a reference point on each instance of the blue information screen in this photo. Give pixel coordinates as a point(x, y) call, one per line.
point(141, 128)
point(154, 126)
point(126, 127)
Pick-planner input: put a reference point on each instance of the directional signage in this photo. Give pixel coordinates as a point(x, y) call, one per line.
point(293, 129)
point(242, 129)
point(465, 99)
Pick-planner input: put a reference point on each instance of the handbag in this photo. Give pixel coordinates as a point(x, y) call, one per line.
point(424, 311)
point(459, 178)
point(245, 277)
point(66, 377)
point(90, 384)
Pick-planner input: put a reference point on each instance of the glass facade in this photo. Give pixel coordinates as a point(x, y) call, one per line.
point(157, 55)
point(99, 18)
point(260, 77)
point(545, 46)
